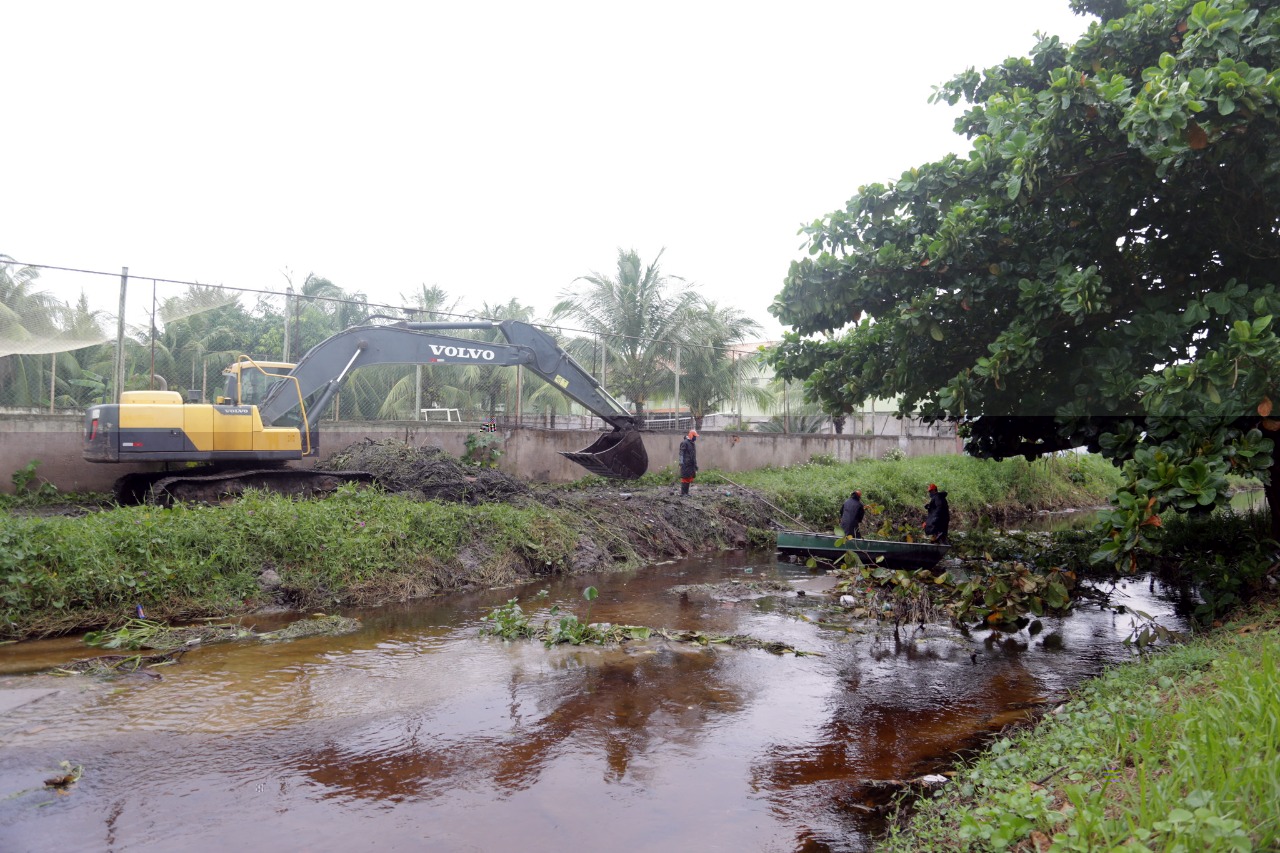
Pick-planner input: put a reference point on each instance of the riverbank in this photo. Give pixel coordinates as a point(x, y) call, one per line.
point(1177, 751)
point(68, 566)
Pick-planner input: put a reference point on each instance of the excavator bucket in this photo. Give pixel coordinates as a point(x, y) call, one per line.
point(619, 455)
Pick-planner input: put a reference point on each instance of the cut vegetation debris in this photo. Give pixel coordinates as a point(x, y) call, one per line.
point(147, 634)
point(510, 622)
point(425, 473)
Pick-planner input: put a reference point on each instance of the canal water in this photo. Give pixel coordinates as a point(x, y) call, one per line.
point(418, 733)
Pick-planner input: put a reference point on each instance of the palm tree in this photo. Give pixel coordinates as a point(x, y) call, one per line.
point(83, 367)
point(425, 383)
point(638, 322)
point(712, 373)
point(32, 325)
point(204, 328)
point(494, 384)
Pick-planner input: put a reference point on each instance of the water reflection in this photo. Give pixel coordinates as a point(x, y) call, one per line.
point(421, 733)
point(617, 705)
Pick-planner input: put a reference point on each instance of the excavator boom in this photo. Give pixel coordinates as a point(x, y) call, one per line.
point(247, 430)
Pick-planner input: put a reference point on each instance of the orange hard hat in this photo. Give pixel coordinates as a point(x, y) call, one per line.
point(693, 433)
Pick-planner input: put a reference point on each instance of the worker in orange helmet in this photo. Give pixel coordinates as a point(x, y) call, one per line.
point(688, 460)
point(937, 516)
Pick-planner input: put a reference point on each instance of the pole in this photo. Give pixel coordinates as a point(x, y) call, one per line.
point(786, 410)
point(119, 366)
point(53, 376)
point(765, 502)
point(519, 393)
point(737, 381)
point(677, 386)
point(288, 304)
point(151, 380)
point(417, 392)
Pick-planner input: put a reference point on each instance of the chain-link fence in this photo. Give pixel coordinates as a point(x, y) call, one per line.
point(73, 338)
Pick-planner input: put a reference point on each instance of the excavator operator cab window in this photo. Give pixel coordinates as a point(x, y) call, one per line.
point(253, 385)
point(247, 384)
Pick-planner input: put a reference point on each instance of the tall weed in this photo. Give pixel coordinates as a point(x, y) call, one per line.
point(977, 488)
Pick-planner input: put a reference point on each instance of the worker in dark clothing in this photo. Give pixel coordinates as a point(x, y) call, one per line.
point(851, 514)
point(937, 518)
point(688, 460)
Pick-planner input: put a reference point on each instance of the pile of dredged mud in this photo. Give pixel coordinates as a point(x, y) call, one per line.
point(621, 520)
point(425, 473)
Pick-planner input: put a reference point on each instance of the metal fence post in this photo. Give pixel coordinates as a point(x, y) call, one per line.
point(119, 377)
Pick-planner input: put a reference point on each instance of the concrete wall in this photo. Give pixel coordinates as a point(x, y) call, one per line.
point(531, 454)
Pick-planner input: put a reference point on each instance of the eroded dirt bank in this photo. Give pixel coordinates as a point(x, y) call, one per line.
point(620, 521)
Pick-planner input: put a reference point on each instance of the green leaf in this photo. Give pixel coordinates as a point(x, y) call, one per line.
point(1014, 186)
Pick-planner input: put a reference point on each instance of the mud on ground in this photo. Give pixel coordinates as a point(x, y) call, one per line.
point(625, 522)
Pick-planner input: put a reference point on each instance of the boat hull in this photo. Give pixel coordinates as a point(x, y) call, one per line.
point(889, 553)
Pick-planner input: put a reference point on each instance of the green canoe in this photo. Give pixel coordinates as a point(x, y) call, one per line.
point(896, 555)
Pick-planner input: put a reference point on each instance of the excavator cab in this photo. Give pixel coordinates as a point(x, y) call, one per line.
point(248, 381)
point(619, 455)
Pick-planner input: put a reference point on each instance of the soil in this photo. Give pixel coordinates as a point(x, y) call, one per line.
point(647, 524)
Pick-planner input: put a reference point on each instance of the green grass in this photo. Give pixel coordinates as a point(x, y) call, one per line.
point(1179, 752)
point(999, 490)
point(59, 574)
point(355, 545)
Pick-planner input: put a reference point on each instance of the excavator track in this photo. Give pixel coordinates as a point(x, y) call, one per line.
point(168, 488)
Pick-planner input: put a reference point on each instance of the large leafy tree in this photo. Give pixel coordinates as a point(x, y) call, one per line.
point(1099, 270)
point(639, 317)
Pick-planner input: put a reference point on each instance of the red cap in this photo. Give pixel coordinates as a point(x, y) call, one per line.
point(693, 433)
point(932, 487)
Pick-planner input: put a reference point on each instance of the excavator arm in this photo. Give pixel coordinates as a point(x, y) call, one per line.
point(320, 374)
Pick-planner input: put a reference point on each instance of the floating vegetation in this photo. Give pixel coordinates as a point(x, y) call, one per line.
point(70, 775)
point(738, 641)
point(317, 625)
point(106, 665)
point(149, 634)
point(510, 622)
point(735, 589)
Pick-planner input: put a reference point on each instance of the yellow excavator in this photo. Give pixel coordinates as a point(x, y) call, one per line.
point(269, 414)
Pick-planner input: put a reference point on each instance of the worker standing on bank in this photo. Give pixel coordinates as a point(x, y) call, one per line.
point(851, 514)
point(688, 460)
point(937, 516)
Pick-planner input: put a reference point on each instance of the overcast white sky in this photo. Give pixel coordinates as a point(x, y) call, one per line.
point(498, 150)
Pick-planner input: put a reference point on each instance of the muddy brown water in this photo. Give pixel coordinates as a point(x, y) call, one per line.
point(418, 734)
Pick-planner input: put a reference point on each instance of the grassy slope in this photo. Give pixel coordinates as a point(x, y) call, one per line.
point(976, 487)
point(60, 574)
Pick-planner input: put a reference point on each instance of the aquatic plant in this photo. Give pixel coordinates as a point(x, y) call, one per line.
point(998, 595)
point(510, 622)
point(1180, 751)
